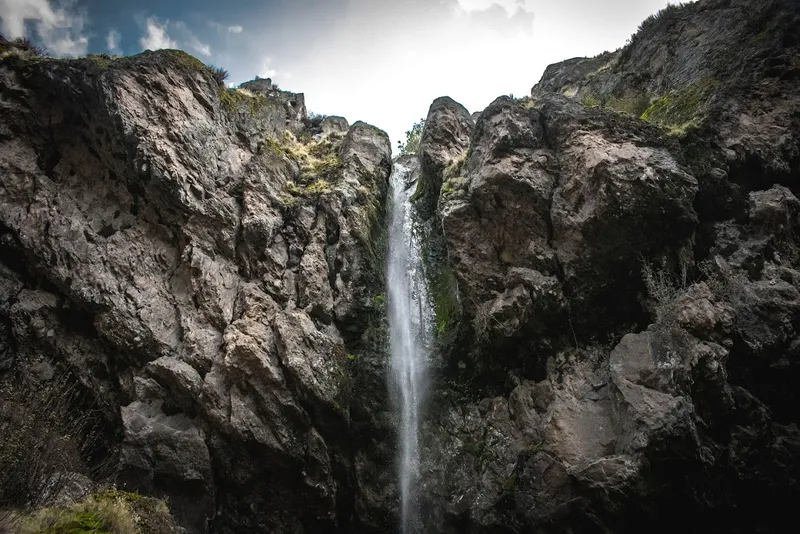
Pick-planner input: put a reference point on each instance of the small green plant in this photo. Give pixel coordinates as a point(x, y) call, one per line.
point(379, 300)
point(413, 137)
point(662, 288)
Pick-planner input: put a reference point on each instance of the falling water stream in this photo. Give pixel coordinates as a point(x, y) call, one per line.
point(409, 322)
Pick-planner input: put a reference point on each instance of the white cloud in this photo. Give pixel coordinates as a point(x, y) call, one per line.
point(235, 29)
point(384, 62)
point(190, 39)
point(58, 26)
point(169, 34)
point(112, 40)
point(510, 6)
point(266, 71)
point(155, 37)
point(200, 47)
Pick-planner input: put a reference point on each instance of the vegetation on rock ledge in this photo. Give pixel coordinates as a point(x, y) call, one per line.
point(106, 512)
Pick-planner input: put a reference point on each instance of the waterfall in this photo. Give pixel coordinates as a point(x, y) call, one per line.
point(410, 317)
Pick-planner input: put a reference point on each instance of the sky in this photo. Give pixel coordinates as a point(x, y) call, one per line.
point(380, 61)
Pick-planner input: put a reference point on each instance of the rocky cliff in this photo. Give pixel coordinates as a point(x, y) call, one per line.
point(615, 265)
point(205, 263)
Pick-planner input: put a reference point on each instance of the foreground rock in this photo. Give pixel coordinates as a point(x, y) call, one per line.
point(174, 246)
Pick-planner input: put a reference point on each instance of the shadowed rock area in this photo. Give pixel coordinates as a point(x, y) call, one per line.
point(615, 270)
point(204, 269)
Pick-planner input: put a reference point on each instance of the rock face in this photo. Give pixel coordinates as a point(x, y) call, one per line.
point(443, 140)
point(162, 240)
point(614, 263)
point(624, 274)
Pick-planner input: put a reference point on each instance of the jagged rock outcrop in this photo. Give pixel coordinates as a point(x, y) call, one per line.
point(614, 264)
point(446, 138)
point(624, 266)
point(207, 276)
point(728, 66)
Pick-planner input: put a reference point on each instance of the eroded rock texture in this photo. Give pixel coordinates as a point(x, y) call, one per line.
point(208, 289)
point(623, 267)
point(614, 264)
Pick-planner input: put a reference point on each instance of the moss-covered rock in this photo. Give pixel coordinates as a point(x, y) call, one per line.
point(106, 512)
point(682, 109)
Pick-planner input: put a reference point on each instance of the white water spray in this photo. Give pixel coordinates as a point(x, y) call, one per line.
point(410, 317)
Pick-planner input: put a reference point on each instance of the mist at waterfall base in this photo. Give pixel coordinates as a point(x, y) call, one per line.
point(410, 320)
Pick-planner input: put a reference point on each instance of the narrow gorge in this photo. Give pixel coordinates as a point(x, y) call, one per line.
point(572, 312)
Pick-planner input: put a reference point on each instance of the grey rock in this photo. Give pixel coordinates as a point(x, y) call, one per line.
point(334, 125)
point(177, 282)
point(446, 135)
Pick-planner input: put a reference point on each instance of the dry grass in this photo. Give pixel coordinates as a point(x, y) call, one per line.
point(107, 512)
point(318, 162)
point(48, 432)
point(661, 287)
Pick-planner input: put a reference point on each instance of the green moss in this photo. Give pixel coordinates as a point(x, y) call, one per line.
point(452, 185)
point(473, 448)
point(81, 523)
point(455, 166)
point(419, 190)
point(237, 99)
point(379, 300)
point(315, 159)
point(536, 447)
point(681, 110)
point(119, 494)
point(317, 187)
point(322, 166)
point(102, 61)
point(445, 301)
point(185, 61)
point(272, 144)
point(589, 100)
point(510, 484)
point(630, 103)
point(105, 512)
point(764, 36)
point(506, 256)
point(313, 189)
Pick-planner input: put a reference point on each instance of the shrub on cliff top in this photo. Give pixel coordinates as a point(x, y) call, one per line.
point(220, 74)
point(413, 137)
point(26, 45)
